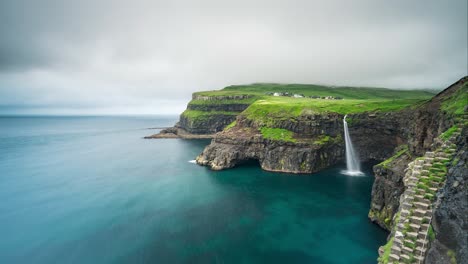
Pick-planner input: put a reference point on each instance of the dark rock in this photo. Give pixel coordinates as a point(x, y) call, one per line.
point(450, 221)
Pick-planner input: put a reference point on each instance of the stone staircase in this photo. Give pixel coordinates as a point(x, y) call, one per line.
point(424, 177)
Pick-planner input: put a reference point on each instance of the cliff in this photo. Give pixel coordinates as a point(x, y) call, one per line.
point(419, 127)
point(304, 135)
point(285, 137)
point(417, 194)
point(210, 112)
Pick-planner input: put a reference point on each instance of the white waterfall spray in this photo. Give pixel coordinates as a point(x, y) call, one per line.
point(353, 167)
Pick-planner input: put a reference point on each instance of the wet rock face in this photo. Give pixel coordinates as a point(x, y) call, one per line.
point(450, 221)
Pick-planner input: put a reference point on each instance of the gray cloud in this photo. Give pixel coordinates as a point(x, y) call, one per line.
point(149, 56)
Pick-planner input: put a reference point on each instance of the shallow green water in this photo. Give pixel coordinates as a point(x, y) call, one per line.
point(91, 190)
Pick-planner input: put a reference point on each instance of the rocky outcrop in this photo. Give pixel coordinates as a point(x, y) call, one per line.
point(174, 132)
point(206, 115)
point(241, 144)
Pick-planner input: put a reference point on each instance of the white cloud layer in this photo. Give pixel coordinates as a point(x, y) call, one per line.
point(149, 56)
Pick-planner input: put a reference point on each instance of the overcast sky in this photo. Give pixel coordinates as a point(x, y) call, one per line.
point(110, 57)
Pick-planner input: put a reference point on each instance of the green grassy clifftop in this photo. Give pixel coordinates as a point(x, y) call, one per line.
point(258, 103)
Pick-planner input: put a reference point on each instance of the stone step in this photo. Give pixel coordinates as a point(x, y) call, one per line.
point(404, 213)
point(422, 199)
point(430, 154)
point(398, 242)
point(406, 205)
point(435, 184)
point(404, 257)
point(425, 172)
point(441, 154)
point(428, 160)
point(426, 166)
point(421, 205)
point(419, 212)
point(422, 235)
point(412, 234)
point(419, 259)
point(427, 218)
point(419, 251)
point(395, 250)
point(443, 159)
point(407, 250)
point(394, 258)
point(415, 226)
point(416, 220)
point(420, 242)
point(409, 198)
point(418, 162)
point(434, 169)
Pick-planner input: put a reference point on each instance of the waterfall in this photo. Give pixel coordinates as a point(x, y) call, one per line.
point(352, 160)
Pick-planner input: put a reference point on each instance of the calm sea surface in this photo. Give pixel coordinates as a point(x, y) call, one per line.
point(91, 190)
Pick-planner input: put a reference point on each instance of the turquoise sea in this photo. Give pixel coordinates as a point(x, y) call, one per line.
point(91, 190)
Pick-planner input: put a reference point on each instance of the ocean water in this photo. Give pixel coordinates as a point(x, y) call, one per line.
point(91, 190)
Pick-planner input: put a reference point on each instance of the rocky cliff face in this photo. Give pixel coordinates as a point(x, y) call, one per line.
point(241, 144)
point(450, 221)
point(418, 128)
point(373, 135)
point(209, 125)
point(387, 189)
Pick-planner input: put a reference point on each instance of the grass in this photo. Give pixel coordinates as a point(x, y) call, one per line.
point(224, 101)
point(403, 150)
point(388, 246)
point(322, 140)
point(387, 251)
point(197, 115)
point(324, 90)
point(233, 124)
point(268, 110)
point(456, 102)
point(447, 134)
point(287, 108)
point(431, 234)
point(451, 254)
point(278, 134)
